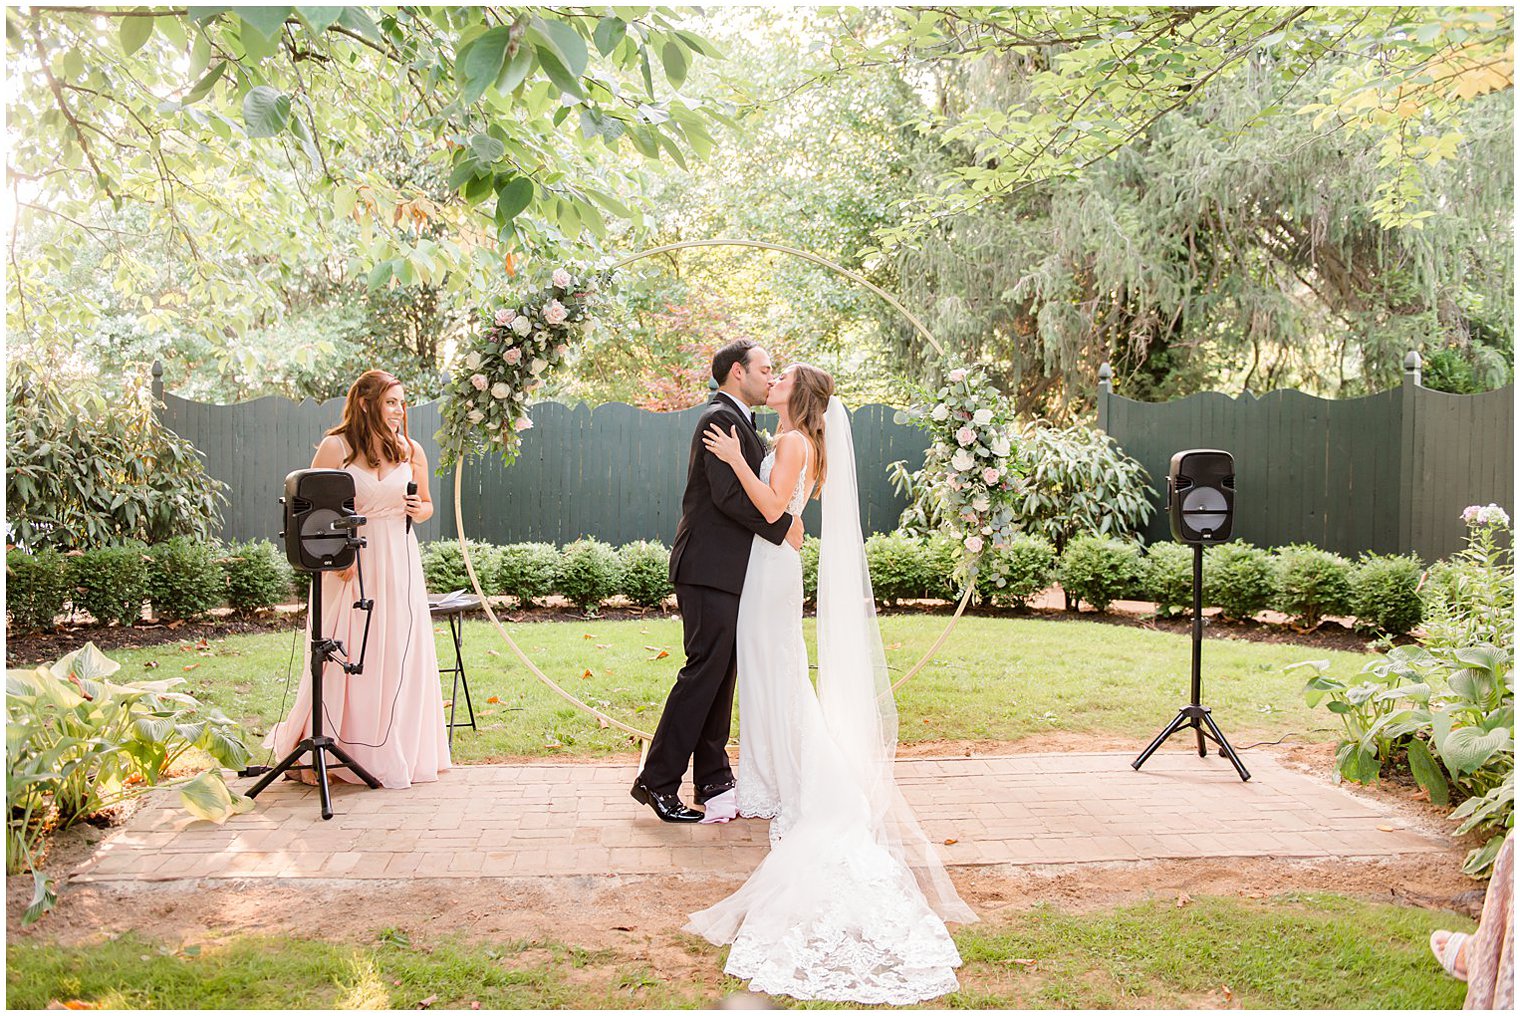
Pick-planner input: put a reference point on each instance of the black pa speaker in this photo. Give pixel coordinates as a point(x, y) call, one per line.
point(320, 520)
point(1200, 495)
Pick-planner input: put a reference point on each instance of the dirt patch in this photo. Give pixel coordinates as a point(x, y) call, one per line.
point(45, 647)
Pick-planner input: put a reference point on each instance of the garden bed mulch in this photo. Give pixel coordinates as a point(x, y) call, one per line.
point(45, 647)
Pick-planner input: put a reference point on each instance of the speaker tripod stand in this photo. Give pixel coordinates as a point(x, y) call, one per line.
point(319, 745)
point(1194, 714)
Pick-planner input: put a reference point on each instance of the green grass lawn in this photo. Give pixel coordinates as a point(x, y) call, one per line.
point(1298, 951)
point(996, 679)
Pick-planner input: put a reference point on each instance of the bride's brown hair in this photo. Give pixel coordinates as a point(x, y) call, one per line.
point(363, 423)
point(811, 390)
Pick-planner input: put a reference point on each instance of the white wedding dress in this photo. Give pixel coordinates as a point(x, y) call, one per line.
point(850, 905)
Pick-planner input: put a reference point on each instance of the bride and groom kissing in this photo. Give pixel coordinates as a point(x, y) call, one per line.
point(851, 902)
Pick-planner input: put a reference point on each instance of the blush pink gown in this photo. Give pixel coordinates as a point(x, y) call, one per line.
point(389, 718)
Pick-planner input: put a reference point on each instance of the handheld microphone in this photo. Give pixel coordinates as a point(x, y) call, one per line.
point(411, 488)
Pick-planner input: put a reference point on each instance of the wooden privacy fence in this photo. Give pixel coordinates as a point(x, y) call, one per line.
point(614, 472)
point(1390, 472)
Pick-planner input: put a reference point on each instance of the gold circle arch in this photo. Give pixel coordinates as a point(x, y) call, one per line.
point(610, 721)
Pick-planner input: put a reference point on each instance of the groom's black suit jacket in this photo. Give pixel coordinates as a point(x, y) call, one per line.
point(717, 516)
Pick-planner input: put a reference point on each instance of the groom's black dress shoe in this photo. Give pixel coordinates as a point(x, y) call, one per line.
point(709, 791)
point(667, 806)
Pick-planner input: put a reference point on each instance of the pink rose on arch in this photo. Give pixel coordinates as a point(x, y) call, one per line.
point(560, 278)
point(965, 436)
point(990, 474)
point(523, 424)
point(974, 544)
point(555, 313)
point(503, 317)
point(513, 355)
point(560, 349)
point(958, 375)
point(479, 381)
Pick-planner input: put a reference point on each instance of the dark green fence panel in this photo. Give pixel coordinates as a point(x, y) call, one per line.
point(614, 472)
point(1389, 472)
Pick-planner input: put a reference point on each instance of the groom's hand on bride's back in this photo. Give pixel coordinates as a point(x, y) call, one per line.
point(794, 535)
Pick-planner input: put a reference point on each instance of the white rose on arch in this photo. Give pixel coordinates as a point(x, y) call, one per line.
point(500, 390)
point(538, 365)
point(941, 413)
point(472, 361)
point(982, 417)
point(963, 460)
point(1001, 446)
point(521, 325)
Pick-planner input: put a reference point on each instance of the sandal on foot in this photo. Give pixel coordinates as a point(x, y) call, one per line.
point(1448, 951)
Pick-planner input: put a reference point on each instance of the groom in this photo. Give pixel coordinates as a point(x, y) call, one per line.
point(707, 566)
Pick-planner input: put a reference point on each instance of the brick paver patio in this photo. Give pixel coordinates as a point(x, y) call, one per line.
point(564, 819)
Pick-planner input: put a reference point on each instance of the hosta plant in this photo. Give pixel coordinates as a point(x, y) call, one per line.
point(77, 743)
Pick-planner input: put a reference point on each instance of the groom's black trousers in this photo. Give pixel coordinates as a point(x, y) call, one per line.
point(700, 707)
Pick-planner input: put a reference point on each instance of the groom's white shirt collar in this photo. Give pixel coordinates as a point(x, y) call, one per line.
point(748, 412)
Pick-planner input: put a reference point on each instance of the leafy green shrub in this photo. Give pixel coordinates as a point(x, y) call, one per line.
point(1385, 592)
point(810, 545)
point(86, 470)
point(184, 578)
point(1166, 575)
point(1099, 569)
point(258, 576)
point(589, 573)
point(1016, 572)
point(444, 572)
point(526, 571)
point(111, 582)
point(942, 559)
point(35, 588)
point(1470, 598)
point(1308, 583)
point(78, 743)
point(1080, 481)
point(899, 566)
point(1237, 578)
point(645, 568)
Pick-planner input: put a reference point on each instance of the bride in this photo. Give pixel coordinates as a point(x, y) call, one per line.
point(850, 905)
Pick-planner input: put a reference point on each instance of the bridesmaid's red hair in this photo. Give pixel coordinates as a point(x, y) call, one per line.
point(363, 425)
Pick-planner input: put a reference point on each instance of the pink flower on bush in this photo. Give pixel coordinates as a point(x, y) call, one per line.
point(513, 355)
point(958, 375)
point(990, 474)
point(480, 381)
point(974, 544)
point(965, 436)
point(503, 317)
point(555, 313)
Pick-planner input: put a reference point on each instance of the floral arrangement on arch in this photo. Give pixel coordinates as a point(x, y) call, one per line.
point(485, 405)
point(972, 469)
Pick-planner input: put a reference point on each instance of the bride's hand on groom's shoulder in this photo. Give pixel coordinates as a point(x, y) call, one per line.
point(725, 446)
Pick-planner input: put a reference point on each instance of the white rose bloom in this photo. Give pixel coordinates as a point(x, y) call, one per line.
point(980, 503)
point(500, 390)
point(1001, 447)
point(941, 413)
point(476, 416)
point(472, 361)
point(982, 417)
point(521, 325)
point(963, 460)
point(561, 278)
point(538, 365)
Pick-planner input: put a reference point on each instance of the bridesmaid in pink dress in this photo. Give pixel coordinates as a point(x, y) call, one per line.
point(389, 718)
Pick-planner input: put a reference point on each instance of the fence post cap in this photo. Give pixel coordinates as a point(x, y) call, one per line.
point(158, 368)
point(1412, 360)
point(1105, 372)
point(712, 384)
